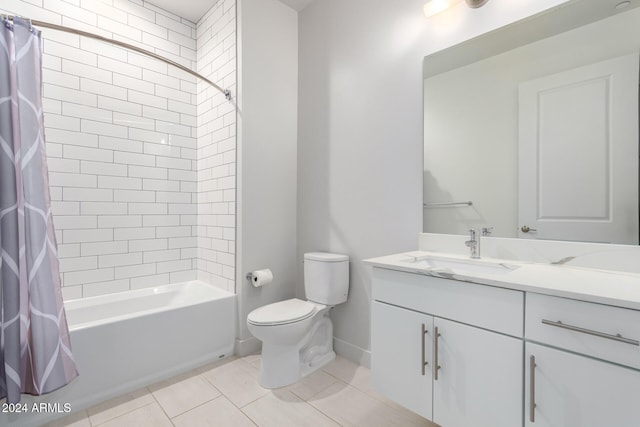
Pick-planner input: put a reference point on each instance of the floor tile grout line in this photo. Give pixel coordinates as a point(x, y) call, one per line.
point(86, 416)
point(228, 398)
point(324, 413)
point(249, 403)
point(337, 380)
point(248, 416)
point(195, 407)
point(320, 410)
point(359, 389)
point(328, 416)
point(301, 400)
point(123, 414)
point(195, 375)
point(204, 377)
point(119, 416)
point(160, 405)
point(356, 382)
point(319, 391)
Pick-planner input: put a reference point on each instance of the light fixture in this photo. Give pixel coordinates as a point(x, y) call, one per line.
point(474, 4)
point(433, 7)
point(623, 5)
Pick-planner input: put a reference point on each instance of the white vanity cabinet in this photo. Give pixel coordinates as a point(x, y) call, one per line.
point(450, 351)
point(402, 359)
point(479, 380)
point(581, 364)
point(570, 390)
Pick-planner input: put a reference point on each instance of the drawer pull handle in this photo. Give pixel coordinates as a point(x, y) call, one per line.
point(424, 362)
point(617, 337)
point(436, 366)
point(532, 389)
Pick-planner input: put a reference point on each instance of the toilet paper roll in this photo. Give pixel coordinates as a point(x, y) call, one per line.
point(261, 277)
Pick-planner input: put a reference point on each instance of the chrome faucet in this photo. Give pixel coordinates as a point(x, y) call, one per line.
point(474, 243)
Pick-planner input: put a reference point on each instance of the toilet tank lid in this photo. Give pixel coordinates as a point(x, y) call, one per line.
point(325, 256)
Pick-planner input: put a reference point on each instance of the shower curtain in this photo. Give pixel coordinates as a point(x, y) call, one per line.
point(35, 354)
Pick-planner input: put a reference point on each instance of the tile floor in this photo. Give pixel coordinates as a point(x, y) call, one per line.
point(227, 393)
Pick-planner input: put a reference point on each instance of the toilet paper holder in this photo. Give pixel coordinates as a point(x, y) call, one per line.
point(260, 277)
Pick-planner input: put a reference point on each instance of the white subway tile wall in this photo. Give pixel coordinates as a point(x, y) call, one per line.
point(216, 138)
point(122, 134)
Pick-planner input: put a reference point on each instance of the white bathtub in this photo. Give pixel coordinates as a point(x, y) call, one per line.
point(128, 340)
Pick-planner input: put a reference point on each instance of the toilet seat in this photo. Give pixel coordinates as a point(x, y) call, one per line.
point(281, 313)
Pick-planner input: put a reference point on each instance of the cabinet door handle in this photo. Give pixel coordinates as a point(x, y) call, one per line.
point(424, 357)
point(436, 366)
point(532, 389)
point(617, 337)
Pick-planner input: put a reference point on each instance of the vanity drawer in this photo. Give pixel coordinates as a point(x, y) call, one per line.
point(602, 331)
point(484, 306)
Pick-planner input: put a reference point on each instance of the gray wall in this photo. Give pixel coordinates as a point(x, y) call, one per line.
point(360, 146)
point(267, 128)
point(360, 132)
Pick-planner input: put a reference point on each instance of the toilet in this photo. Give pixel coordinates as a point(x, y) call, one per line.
point(297, 335)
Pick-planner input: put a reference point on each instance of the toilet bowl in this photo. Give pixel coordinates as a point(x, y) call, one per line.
point(296, 339)
point(297, 335)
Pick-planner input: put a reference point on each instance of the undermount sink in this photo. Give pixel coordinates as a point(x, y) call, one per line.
point(462, 266)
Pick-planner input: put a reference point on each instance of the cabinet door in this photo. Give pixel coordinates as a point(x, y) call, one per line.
point(569, 390)
point(401, 356)
point(479, 382)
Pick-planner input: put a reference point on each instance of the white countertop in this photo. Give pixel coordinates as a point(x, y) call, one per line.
point(621, 289)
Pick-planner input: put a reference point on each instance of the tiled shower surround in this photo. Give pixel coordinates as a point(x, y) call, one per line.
point(216, 136)
point(141, 156)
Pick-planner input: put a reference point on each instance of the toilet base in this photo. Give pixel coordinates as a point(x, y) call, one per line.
point(280, 366)
point(283, 365)
point(318, 363)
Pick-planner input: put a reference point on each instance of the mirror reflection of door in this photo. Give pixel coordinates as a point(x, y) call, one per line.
point(578, 154)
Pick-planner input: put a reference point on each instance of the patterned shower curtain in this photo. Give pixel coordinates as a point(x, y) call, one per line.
point(35, 353)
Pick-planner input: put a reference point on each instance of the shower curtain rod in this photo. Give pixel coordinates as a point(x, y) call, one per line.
point(226, 92)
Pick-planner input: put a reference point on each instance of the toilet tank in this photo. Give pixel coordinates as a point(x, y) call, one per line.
point(326, 277)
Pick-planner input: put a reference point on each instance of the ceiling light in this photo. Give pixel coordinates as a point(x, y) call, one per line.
point(474, 4)
point(433, 7)
point(623, 5)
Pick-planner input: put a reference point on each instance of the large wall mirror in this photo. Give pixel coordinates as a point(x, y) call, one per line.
point(533, 129)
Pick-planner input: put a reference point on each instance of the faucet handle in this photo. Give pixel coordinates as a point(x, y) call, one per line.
point(486, 231)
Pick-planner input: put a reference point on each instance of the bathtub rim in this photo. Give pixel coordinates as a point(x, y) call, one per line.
point(206, 292)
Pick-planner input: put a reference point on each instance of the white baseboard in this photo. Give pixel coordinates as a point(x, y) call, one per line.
point(352, 352)
point(345, 349)
point(248, 346)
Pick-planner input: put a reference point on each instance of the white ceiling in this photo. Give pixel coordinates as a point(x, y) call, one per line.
point(193, 10)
